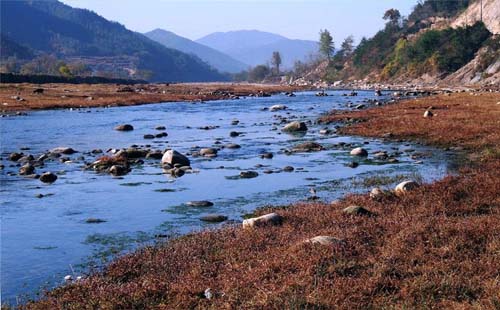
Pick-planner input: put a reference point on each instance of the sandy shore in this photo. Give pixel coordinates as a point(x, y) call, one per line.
point(23, 97)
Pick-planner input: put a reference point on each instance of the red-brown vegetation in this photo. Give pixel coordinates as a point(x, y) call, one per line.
point(103, 95)
point(437, 247)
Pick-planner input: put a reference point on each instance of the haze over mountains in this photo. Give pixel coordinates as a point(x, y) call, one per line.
point(216, 59)
point(255, 47)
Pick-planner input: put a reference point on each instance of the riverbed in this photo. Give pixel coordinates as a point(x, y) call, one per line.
point(44, 239)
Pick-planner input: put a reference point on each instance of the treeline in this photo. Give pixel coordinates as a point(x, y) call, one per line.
point(43, 79)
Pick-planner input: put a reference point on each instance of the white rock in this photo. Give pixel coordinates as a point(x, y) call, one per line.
point(359, 151)
point(324, 240)
point(68, 278)
point(268, 219)
point(277, 107)
point(406, 186)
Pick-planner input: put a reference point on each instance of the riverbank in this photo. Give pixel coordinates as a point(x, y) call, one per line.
point(24, 97)
point(436, 246)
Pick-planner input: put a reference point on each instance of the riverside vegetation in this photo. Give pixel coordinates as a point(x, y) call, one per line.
point(436, 246)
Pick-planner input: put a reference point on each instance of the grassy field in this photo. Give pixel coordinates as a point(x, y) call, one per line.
point(436, 247)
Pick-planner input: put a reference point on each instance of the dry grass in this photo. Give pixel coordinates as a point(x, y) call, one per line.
point(77, 95)
point(469, 121)
point(437, 247)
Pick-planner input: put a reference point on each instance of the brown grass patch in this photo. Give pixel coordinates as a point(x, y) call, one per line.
point(103, 95)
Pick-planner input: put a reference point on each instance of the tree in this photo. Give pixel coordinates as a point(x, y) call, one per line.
point(258, 73)
point(347, 46)
point(393, 16)
point(326, 45)
point(276, 61)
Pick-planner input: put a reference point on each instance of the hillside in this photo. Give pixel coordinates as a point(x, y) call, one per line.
point(51, 27)
point(256, 47)
point(214, 58)
point(438, 43)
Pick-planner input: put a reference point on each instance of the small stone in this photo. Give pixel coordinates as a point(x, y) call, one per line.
point(149, 136)
point(405, 187)
point(199, 204)
point(356, 210)
point(48, 177)
point(214, 218)
point(359, 151)
point(125, 127)
point(325, 240)
point(248, 174)
point(288, 169)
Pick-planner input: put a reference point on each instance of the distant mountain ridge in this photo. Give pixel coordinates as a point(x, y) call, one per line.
point(256, 47)
point(52, 27)
point(213, 57)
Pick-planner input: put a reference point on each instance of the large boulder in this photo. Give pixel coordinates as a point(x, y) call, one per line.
point(295, 127)
point(406, 186)
point(173, 157)
point(268, 219)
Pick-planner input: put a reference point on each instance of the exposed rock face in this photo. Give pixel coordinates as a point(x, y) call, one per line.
point(491, 15)
point(173, 157)
point(268, 219)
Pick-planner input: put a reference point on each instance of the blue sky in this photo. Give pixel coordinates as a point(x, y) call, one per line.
point(296, 19)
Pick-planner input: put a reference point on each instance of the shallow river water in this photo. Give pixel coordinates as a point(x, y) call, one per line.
point(44, 239)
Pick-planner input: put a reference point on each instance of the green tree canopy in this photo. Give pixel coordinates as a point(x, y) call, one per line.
point(326, 45)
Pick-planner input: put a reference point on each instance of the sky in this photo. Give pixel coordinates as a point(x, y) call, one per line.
point(295, 19)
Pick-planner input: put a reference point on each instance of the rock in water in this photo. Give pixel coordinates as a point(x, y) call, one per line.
point(359, 151)
point(124, 127)
point(200, 204)
point(214, 218)
point(26, 170)
point(268, 219)
point(48, 177)
point(118, 170)
point(63, 150)
point(173, 157)
point(248, 174)
point(405, 187)
point(277, 107)
point(295, 127)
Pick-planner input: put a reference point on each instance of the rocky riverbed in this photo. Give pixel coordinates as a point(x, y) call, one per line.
point(81, 186)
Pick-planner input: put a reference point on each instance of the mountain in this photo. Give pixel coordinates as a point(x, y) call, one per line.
point(216, 59)
point(256, 47)
point(51, 27)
